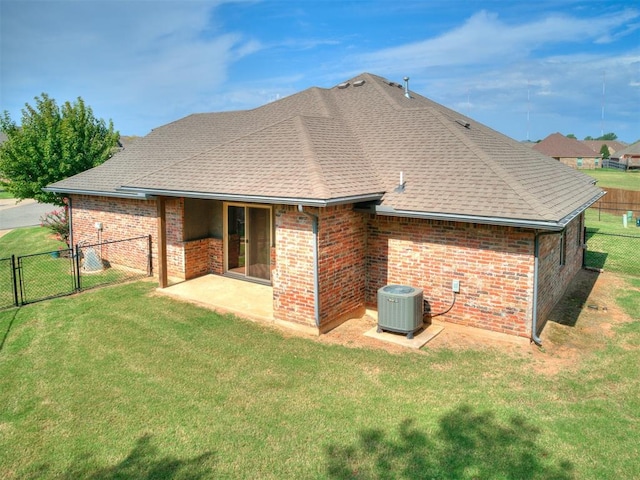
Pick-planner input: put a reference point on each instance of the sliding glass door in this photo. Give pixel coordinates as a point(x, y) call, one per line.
point(248, 241)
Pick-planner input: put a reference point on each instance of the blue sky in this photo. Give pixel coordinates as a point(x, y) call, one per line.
point(524, 68)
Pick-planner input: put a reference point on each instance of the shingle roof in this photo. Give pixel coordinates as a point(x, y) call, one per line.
point(596, 145)
point(631, 150)
point(558, 146)
point(347, 142)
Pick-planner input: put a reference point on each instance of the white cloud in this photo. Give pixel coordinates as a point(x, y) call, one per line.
point(150, 56)
point(484, 40)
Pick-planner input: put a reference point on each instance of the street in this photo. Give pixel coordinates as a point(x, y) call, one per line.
point(27, 213)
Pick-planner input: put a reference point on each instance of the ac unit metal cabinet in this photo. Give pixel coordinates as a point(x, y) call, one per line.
point(400, 309)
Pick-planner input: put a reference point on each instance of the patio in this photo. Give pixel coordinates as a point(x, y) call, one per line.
point(226, 295)
point(255, 302)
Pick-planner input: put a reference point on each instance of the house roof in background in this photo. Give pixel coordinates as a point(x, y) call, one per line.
point(596, 145)
point(350, 141)
point(633, 149)
point(558, 146)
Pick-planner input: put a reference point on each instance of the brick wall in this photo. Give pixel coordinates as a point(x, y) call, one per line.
point(121, 218)
point(588, 163)
point(342, 272)
point(493, 264)
point(554, 278)
point(293, 274)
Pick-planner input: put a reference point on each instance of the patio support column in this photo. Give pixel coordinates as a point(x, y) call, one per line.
point(162, 243)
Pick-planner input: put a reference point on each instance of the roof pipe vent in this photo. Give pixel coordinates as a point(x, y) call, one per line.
point(400, 187)
point(406, 87)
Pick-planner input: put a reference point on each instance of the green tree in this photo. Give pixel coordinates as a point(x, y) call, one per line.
point(571, 135)
point(51, 144)
point(608, 136)
point(604, 151)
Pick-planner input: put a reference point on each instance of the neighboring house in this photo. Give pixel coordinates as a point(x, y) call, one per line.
point(330, 194)
point(629, 156)
point(569, 151)
point(596, 145)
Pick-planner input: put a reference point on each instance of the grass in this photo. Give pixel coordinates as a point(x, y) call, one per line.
point(44, 276)
point(120, 383)
point(614, 178)
point(612, 253)
point(27, 241)
point(4, 194)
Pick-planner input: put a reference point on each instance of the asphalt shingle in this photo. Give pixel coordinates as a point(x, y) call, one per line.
point(326, 144)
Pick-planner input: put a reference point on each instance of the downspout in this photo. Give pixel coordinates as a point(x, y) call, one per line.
point(316, 281)
point(534, 314)
point(70, 222)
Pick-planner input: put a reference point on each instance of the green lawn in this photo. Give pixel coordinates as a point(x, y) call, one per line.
point(44, 276)
point(28, 240)
point(121, 383)
point(614, 178)
point(4, 194)
point(612, 253)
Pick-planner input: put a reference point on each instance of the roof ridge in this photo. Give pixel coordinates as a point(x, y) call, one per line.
point(310, 159)
point(502, 173)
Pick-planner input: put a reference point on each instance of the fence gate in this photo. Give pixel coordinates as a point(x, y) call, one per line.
point(46, 275)
point(32, 278)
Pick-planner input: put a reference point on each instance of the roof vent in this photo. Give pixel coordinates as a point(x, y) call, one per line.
point(406, 87)
point(344, 85)
point(400, 187)
point(463, 123)
point(392, 84)
point(358, 83)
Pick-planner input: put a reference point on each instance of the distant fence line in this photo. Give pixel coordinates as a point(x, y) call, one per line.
point(621, 164)
point(618, 201)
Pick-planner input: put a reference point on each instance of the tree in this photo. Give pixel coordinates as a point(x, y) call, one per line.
point(604, 151)
point(608, 136)
point(571, 135)
point(52, 144)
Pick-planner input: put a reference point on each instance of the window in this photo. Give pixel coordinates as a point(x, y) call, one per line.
point(563, 248)
point(596, 161)
point(579, 161)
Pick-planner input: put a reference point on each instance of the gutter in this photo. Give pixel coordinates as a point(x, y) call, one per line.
point(553, 226)
point(307, 202)
point(97, 193)
point(316, 281)
point(453, 217)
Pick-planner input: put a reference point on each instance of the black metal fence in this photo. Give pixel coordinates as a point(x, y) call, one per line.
point(8, 287)
point(31, 278)
point(613, 252)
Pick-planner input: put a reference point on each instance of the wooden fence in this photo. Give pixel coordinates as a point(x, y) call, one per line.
point(618, 201)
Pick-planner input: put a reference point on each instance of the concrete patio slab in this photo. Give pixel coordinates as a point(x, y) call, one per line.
point(226, 295)
point(419, 339)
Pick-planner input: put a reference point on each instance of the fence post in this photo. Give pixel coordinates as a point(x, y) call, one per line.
point(77, 267)
point(149, 261)
point(14, 277)
point(584, 246)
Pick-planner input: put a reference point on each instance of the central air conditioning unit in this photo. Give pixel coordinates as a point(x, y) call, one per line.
point(400, 309)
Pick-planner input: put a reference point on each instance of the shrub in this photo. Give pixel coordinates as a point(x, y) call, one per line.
point(58, 222)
